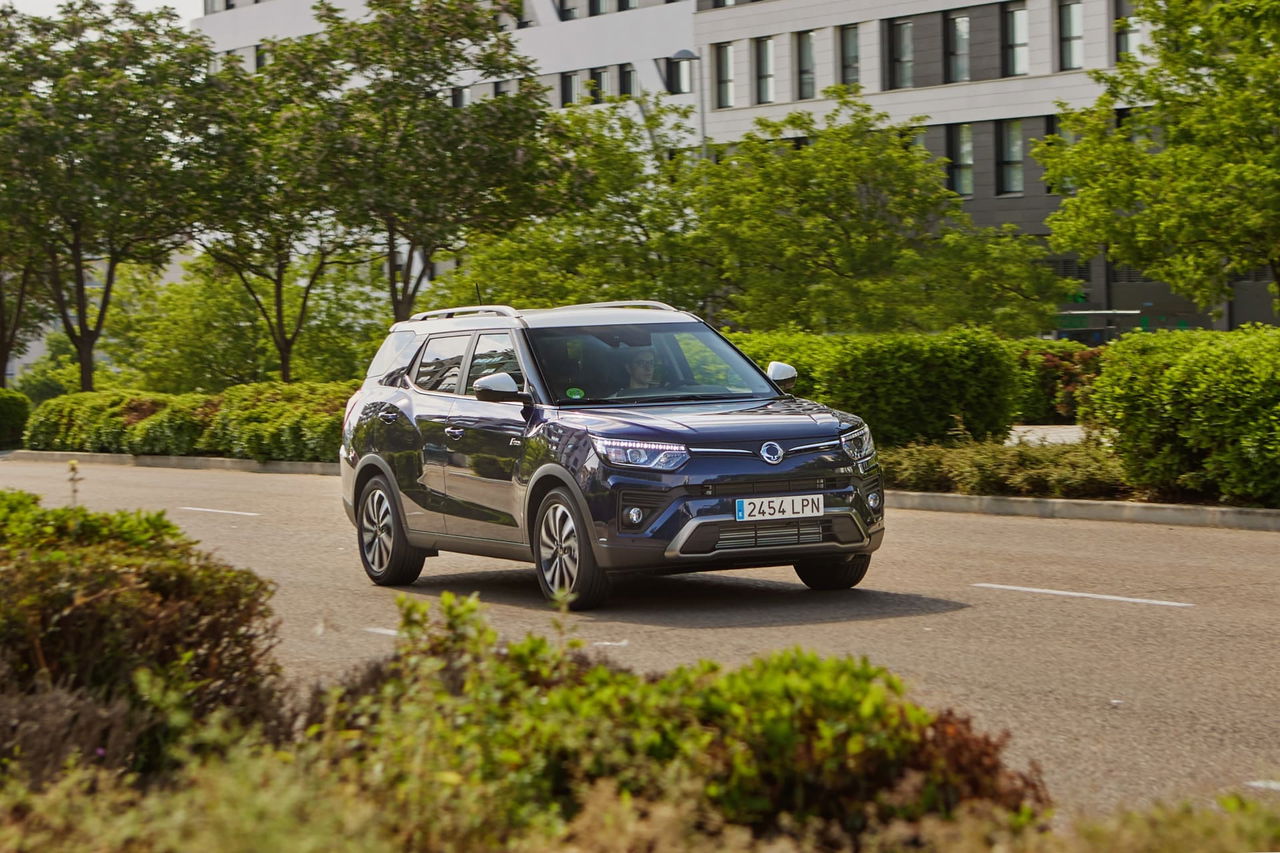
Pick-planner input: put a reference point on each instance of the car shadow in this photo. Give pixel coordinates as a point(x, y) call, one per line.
point(702, 600)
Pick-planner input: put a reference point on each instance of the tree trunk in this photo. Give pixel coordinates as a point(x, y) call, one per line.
point(84, 354)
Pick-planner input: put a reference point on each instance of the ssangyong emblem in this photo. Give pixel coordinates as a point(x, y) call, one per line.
point(771, 452)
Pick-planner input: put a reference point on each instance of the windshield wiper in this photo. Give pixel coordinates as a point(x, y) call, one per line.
point(679, 398)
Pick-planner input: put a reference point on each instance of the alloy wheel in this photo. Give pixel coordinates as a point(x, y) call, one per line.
point(558, 548)
point(376, 534)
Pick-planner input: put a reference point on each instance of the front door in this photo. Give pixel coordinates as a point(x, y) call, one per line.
point(486, 441)
point(434, 388)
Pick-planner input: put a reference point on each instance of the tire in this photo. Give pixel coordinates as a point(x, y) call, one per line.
point(562, 554)
point(385, 552)
point(833, 572)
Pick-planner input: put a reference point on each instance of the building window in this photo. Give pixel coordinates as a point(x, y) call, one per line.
point(626, 79)
point(501, 87)
point(569, 91)
point(599, 84)
point(260, 57)
point(763, 54)
point(595, 7)
point(849, 56)
point(460, 96)
point(960, 153)
point(1016, 52)
point(1070, 35)
point(626, 5)
point(1126, 32)
point(957, 41)
point(568, 9)
point(806, 86)
point(724, 75)
point(679, 76)
point(1009, 145)
point(901, 55)
point(719, 4)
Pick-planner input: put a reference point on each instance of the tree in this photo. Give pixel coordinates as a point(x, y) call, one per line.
point(632, 235)
point(404, 162)
point(106, 119)
point(1175, 170)
point(270, 221)
point(24, 311)
point(844, 224)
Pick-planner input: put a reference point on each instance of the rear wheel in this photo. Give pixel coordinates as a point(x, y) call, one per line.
point(562, 554)
point(388, 558)
point(838, 572)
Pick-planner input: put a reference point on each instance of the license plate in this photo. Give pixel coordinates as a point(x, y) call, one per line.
point(792, 506)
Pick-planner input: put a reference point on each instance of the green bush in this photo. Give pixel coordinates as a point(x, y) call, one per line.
point(1051, 376)
point(908, 387)
point(274, 420)
point(992, 468)
point(91, 421)
point(1194, 412)
point(90, 599)
point(174, 430)
point(14, 409)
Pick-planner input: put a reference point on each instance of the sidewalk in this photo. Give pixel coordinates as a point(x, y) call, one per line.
point(1046, 434)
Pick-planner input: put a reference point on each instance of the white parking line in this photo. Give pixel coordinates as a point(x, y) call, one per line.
point(1085, 595)
point(1265, 784)
point(223, 511)
point(608, 643)
point(385, 631)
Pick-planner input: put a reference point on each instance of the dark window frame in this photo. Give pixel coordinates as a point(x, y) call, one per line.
point(1014, 53)
point(763, 70)
point(848, 35)
point(723, 54)
point(902, 63)
point(1006, 164)
point(1070, 45)
point(806, 70)
point(959, 170)
point(957, 67)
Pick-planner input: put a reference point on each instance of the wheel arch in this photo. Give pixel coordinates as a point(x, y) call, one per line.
point(370, 467)
point(546, 478)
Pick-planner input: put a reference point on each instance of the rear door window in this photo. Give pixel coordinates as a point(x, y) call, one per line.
point(441, 363)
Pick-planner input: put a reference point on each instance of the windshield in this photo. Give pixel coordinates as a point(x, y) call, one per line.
point(643, 362)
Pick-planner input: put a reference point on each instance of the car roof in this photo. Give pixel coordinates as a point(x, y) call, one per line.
point(568, 316)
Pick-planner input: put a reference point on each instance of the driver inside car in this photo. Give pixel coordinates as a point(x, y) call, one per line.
point(640, 366)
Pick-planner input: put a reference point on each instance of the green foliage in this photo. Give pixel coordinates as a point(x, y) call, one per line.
point(272, 420)
point(1052, 375)
point(907, 387)
point(92, 421)
point(1185, 188)
point(122, 606)
point(51, 375)
point(993, 468)
point(855, 230)
point(1194, 411)
point(14, 409)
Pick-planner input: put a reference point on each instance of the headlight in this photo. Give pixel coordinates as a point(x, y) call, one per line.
point(642, 454)
point(858, 444)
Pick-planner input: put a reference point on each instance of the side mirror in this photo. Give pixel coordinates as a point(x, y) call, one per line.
point(499, 388)
point(783, 375)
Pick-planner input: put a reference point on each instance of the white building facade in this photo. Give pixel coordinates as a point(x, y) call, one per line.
point(986, 80)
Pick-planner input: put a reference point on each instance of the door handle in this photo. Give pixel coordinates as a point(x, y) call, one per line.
point(453, 432)
point(389, 417)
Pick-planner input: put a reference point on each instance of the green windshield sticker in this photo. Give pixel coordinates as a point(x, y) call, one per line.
point(575, 393)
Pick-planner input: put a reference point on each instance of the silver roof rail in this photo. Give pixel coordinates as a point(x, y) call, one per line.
point(624, 303)
point(445, 313)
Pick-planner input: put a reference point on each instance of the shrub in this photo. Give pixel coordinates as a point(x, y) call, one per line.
point(274, 420)
point(91, 421)
point(473, 743)
point(175, 429)
point(14, 409)
point(908, 387)
point(93, 598)
point(1194, 411)
point(992, 468)
point(1052, 375)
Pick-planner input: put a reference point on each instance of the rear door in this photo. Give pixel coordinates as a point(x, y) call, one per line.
point(433, 388)
point(486, 441)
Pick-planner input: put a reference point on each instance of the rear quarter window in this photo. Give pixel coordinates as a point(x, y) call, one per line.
point(396, 351)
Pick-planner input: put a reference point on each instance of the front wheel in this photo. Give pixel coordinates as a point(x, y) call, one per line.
point(388, 558)
point(839, 572)
point(562, 554)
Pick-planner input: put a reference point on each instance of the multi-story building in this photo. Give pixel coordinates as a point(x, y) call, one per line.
point(987, 80)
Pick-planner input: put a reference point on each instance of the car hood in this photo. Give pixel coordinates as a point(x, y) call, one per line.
point(712, 423)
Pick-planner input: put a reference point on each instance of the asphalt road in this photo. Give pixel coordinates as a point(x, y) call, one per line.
point(1120, 701)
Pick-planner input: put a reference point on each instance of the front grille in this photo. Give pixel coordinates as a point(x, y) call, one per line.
point(740, 488)
point(767, 534)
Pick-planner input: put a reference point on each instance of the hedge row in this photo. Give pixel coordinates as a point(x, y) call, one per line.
point(14, 410)
point(1194, 412)
point(994, 468)
point(1052, 377)
point(270, 420)
point(908, 387)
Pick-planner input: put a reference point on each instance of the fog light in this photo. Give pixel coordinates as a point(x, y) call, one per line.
point(635, 515)
point(873, 500)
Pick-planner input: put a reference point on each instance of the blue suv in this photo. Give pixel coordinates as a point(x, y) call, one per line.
point(596, 439)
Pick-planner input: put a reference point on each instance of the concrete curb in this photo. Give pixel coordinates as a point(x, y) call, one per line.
point(1237, 518)
point(190, 462)
point(1187, 515)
